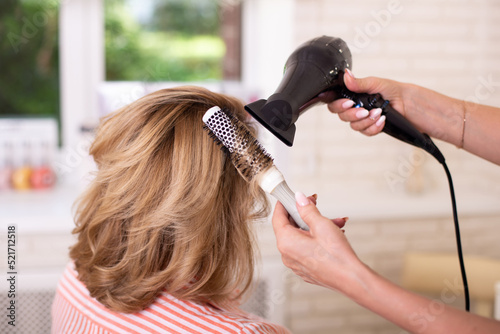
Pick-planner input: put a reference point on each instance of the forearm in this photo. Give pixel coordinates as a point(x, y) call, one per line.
point(482, 131)
point(415, 313)
point(442, 117)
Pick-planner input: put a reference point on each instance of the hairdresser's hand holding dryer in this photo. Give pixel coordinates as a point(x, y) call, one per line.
point(323, 255)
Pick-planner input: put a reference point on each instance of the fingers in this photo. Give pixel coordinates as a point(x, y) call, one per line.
point(341, 105)
point(314, 198)
point(374, 128)
point(368, 85)
point(282, 230)
point(340, 222)
point(347, 112)
point(367, 122)
point(280, 218)
point(344, 108)
point(370, 125)
point(311, 215)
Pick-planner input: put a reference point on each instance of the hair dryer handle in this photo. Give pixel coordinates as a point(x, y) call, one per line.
point(395, 125)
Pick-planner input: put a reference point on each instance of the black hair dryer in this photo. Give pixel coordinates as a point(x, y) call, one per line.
point(314, 73)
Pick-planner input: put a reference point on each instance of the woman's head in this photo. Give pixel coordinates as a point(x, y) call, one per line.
point(167, 209)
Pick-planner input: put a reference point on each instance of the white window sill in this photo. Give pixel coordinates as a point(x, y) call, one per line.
point(44, 211)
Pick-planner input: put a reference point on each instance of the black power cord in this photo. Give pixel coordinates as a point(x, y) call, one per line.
point(458, 239)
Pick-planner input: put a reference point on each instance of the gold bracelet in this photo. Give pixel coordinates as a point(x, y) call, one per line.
point(463, 128)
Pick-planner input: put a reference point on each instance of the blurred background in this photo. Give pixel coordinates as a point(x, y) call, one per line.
point(66, 63)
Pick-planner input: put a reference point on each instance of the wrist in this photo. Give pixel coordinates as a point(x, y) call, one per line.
point(353, 281)
point(435, 114)
point(362, 284)
point(365, 287)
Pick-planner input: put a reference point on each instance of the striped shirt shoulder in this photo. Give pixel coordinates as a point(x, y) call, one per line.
point(75, 311)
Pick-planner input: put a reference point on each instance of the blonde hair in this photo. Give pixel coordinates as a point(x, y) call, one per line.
point(167, 210)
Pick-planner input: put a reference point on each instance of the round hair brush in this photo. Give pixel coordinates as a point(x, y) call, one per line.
point(250, 158)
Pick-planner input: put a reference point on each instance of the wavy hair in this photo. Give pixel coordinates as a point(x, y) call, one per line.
point(166, 210)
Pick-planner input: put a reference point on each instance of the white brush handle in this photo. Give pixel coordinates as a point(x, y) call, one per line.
point(285, 195)
point(273, 182)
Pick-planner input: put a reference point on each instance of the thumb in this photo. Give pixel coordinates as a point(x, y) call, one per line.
point(310, 213)
point(366, 85)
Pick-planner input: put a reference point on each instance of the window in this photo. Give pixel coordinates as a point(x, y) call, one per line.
point(172, 40)
point(86, 94)
point(29, 83)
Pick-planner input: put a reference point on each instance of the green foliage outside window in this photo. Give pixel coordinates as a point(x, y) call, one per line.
point(29, 59)
point(179, 42)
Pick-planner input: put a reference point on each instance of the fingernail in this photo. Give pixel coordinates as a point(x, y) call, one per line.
point(347, 104)
point(301, 199)
point(380, 121)
point(362, 113)
point(315, 196)
point(374, 113)
point(348, 71)
point(345, 218)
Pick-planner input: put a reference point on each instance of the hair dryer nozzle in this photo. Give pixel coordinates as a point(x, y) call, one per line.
point(275, 117)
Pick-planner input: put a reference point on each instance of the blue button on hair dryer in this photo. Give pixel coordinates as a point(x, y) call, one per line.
point(314, 73)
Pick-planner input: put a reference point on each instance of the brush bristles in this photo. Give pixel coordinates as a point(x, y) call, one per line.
point(245, 151)
point(216, 140)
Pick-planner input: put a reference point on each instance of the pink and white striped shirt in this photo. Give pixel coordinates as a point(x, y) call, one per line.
point(74, 311)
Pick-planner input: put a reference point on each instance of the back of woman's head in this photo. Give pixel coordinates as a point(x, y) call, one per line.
point(166, 209)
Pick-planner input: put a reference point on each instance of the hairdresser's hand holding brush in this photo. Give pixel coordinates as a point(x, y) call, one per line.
point(465, 124)
point(309, 254)
point(323, 256)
